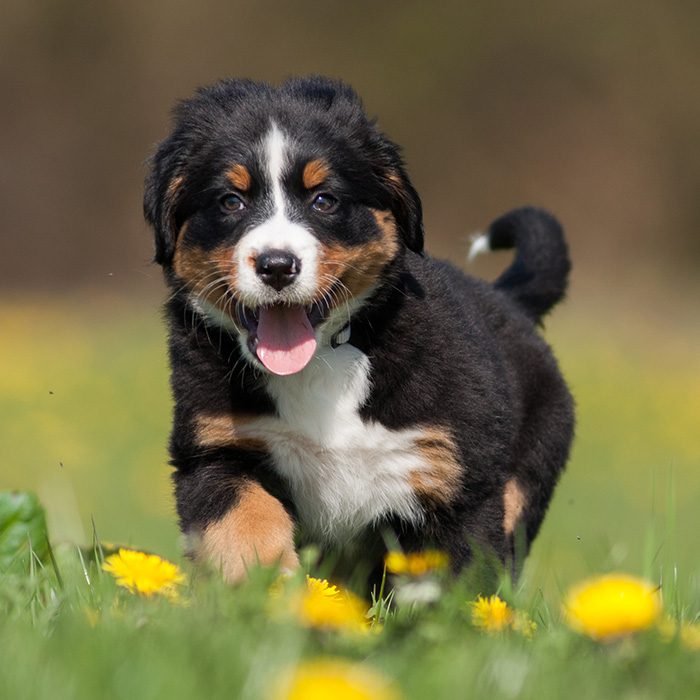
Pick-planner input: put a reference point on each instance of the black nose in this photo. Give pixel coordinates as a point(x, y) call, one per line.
point(278, 268)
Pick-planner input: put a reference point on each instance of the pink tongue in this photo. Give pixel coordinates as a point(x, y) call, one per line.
point(286, 340)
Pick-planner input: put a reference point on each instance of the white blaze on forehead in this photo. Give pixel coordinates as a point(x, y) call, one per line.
point(275, 151)
point(277, 233)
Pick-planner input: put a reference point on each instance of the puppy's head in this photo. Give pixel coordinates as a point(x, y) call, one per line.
point(277, 210)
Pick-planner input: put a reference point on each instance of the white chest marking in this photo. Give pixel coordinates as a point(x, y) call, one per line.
point(344, 473)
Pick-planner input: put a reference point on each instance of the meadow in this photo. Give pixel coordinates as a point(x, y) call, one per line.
point(84, 417)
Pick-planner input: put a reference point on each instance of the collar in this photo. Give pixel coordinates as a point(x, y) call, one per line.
point(342, 336)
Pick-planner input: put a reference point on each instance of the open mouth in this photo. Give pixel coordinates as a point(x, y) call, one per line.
point(282, 336)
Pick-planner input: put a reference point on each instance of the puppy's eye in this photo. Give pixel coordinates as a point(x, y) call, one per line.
point(324, 203)
point(232, 203)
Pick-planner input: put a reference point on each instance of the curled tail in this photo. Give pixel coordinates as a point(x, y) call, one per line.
point(538, 277)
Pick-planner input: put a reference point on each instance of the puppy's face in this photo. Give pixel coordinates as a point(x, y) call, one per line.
point(277, 210)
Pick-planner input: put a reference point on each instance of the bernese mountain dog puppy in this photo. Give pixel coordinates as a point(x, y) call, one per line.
point(333, 383)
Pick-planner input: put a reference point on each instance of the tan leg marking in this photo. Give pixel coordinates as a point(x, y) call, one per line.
point(256, 529)
point(315, 173)
point(359, 267)
point(514, 502)
point(439, 482)
point(239, 176)
point(226, 430)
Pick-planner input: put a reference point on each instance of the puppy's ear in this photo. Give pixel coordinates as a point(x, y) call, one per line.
point(162, 194)
point(406, 207)
point(398, 192)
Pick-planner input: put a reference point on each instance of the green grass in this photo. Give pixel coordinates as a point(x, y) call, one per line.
point(84, 414)
point(87, 639)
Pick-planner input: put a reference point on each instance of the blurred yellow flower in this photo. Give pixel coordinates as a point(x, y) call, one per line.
point(611, 606)
point(688, 632)
point(143, 573)
point(323, 605)
point(690, 635)
point(321, 587)
point(523, 624)
point(415, 563)
point(334, 679)
point(491, 614)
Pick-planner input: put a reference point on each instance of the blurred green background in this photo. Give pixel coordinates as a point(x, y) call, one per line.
point(590, 109)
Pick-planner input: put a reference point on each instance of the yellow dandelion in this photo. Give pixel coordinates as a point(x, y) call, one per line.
point(687, 632)
point(415, 563)
point(611, 606)
point(321, 587)
point(690, 635)
point(491, 614)
point(323, 605)
point(143, 573)
point(336, 679)
point(667, 627)
point(522, 623)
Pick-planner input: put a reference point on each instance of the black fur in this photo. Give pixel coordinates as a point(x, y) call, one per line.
point(231, 116)
point(538, 276)
point(445, 349)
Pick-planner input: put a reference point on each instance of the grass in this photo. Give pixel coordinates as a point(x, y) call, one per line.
point(84, 413)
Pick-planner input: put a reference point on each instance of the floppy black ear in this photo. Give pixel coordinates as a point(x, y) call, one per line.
point(406, 208)
point(401, 196)
point(162, 193)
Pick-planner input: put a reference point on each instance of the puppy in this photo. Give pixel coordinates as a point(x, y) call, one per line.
point(333, 383)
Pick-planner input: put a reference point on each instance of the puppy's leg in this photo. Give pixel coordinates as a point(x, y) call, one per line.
point(232, 507)
point(234, 523)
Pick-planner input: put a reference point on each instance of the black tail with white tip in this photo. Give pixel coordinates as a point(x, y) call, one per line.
point(538, 277)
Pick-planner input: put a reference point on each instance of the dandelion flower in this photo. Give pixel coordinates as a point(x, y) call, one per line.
point(491, 614)
point(690, 636)
point(611, 606)
point(336, 679)
point(323, 605)
point(687, 632)
point(522, 623)
point(415, 563)
point(321, 587)
point(143, 573)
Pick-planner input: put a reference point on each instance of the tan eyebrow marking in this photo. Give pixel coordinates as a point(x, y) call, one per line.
point(315, 172)
point(239, 177)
